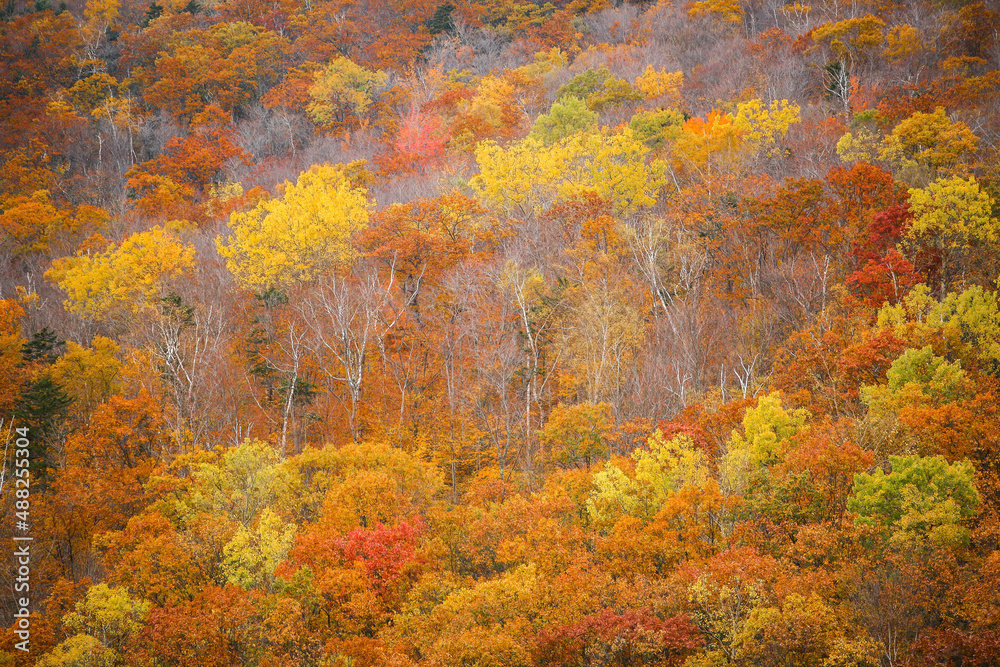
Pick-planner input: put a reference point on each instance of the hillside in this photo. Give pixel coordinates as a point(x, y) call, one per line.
point(506, 333)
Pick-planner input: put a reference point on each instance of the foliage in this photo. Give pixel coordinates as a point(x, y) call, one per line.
point(668, 466)
point(577, 434)
point(599, 89)
point(672, 337)
point(655, 128)
point(767, 431)
point(930, 139)
point(342, 93)
point(954, 212)
point(529, 177)
point(662, 86)
point(922, 498)
point(130, 276)
point(300, 236)
point(567, 116)
point(965, 318)
point(916, 378)
point(763, 126)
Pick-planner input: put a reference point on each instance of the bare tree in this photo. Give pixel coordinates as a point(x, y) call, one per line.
point(346, 316)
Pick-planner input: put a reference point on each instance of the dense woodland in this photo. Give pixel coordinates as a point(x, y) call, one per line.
point(502, 333)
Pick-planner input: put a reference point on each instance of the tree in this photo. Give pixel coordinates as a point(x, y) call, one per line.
point(599, 89)
point(767, 431)
point(666, 467)
point(707, 146)
point(254, 554)
point(238, 487)
point(969, 321)
point(304, 234)
point(952, 216)
point(763, 126)
point(43, 407)
point(917, 378)
point(123, 279)
point(602, 330)
point(632, 637)
point(12, 370)
point(177, 181)
point(106, 623)
point(722, 594)
point(194, 631)
point(567, 116)
point(930, 140)
point(342, 93)
point(655, 128)
point(577, 434)
point(90, 375)
point(104, 467)
point(528, 177)
point(29, 223)
point(804, 631)
point(422, 138)
point(727, 11)
point(487, 623)
point(660, 86)
point(922, 498)
point(359, 484)
point(851, 46)
point(348, 317)
point(883, 274)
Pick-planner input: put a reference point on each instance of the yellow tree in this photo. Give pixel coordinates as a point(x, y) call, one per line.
point(577, 434)
point(952, 215)
point(529, 176)
point(602, 330)
point(124, 278)
point(661, 86)
point(929, 140)
point(300, 235)
point(342, 93)
point(851, 45)
point(726, 11)
point(764, 125)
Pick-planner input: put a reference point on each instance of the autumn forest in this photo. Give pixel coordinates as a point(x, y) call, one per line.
point(500, 333)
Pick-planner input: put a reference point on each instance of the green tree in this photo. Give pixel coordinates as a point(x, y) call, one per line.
point(43, 408)
point(922, 498)
point(655, 128)
point(568, 115)
point(599, 89)
point(42, 347)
